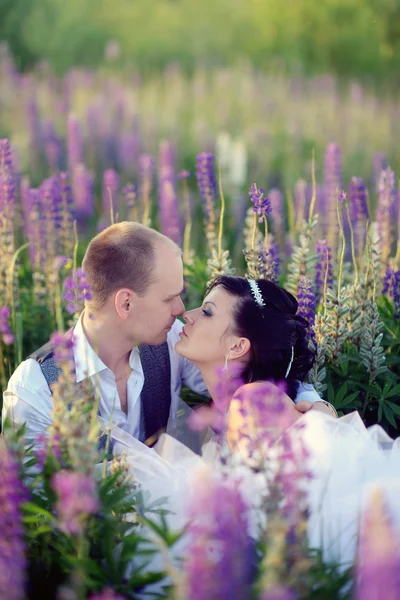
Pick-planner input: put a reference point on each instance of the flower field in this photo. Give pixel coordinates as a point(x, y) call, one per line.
point(291, 180)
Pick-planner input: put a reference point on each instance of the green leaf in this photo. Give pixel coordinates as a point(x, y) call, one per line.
point(394, 391)
point(348, 400)
point(145, 579)
point(395, 407)
point(30, 507)
point(389, 415)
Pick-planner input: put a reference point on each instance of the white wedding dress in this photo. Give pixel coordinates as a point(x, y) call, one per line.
point(346, 460)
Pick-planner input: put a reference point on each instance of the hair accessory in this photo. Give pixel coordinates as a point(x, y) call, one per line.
point(290, 364)
point(255, 290)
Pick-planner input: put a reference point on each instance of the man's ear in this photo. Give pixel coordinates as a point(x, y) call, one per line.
point(124, 300)
point(239, 348)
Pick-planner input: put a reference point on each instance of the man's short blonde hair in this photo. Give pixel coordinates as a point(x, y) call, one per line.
point(121, 256)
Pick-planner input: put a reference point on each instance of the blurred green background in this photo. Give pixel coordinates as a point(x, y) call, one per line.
point(350, 38)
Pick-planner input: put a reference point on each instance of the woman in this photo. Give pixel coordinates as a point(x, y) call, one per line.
point(244, 334)
point(249, 328)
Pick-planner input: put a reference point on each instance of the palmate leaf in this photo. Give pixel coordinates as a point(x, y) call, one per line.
point(387, 411)
point(394, 407)
point(37, 511)
point(140, 580)
point(168, 537)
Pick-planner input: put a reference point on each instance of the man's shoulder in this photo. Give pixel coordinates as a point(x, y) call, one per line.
point(28, 375)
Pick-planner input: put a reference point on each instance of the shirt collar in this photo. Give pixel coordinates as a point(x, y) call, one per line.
point(87, 362)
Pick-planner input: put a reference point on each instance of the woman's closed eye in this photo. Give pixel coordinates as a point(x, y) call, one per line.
point(206, 312)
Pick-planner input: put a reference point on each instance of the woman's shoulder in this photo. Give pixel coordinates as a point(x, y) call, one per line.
point(262, 388)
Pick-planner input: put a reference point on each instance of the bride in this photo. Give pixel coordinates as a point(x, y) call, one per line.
point(247, 339)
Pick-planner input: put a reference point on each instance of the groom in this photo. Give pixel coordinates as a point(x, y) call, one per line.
point(124, 339)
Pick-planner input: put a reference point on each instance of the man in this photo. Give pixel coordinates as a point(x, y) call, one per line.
point(124, 339)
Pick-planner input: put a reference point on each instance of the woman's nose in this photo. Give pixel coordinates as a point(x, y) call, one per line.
point(189, 316)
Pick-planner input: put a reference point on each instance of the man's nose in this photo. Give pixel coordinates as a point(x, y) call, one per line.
point(179, 307)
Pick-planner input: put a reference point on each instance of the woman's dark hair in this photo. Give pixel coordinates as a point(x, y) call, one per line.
point(273, 330)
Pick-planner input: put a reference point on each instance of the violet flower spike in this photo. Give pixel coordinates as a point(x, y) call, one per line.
point(77, 499)
point(12, 548)
point(262, 206)
point(5, 329)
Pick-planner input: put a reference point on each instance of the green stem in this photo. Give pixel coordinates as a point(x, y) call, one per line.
point(82, 554)
point(2, 369)
point(266, 241)
point(341, 259)
point(58, 307)
point(188, 225)
point(253, 237)
point(76, 244)
point(222, 213)
point(353, 250)
point(314, 187)
point(111, 206)
point(18, 341)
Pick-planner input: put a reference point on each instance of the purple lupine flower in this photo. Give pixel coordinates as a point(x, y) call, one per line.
point(378, 565)
point(77, 499)
point(206, 181)
point(323, 267)
point(274, 258)
point(82, 192)
point(67, 202)
point(33, 225)
point(24, 189)
point(110, 191)
point(278, 592)
point(63, 347)
point(77, 291)
point(307, 304)
point(183, 175)
point(74, 143)
point(262, 206)
point(7, 180)
point(128, 151)
point(6, 163)
point(215, 561)
point(107, 594)
point(35, 134)
point(12, 548)
point(342, 196)
point(168, 201)
point(358, 194)
point(50, 217)
point(332, 186)
point(386, 211)
point(5, 330)
point(146, 168)
point(379, 164)
point(51, 202)
point(129, 192)
point(267, 405)
point(53, 148)
point(44, 446)
point(275, 197)
point(207, 185)
point(391, 287)
point(300, 200)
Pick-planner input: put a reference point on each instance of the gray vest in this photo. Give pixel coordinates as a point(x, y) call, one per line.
point(155, 397)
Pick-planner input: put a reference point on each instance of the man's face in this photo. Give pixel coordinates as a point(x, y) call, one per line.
point(155, 312)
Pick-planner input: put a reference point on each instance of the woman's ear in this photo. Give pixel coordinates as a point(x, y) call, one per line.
point(124, 302)
point(239, 348)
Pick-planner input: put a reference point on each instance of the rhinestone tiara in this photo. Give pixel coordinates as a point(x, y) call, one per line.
point(255, 290)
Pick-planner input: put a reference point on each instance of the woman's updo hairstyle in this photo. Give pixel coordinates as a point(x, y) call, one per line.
point(273, 330)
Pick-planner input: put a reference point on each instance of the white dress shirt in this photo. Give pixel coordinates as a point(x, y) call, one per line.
point(28, 398)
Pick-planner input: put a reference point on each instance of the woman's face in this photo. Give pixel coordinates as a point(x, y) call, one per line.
point(207, 335)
